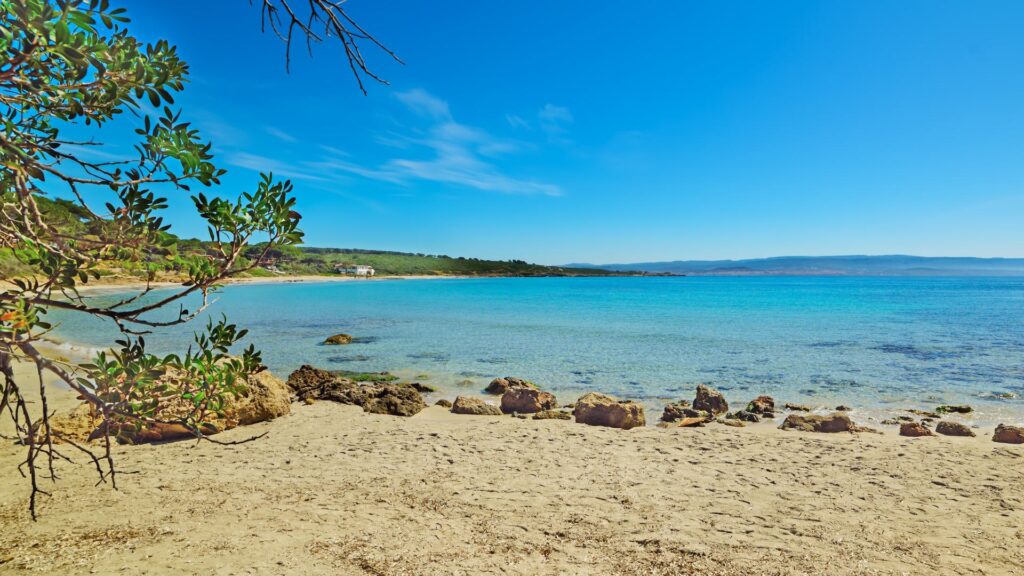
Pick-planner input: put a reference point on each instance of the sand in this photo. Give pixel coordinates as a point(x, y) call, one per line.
point(331, 490)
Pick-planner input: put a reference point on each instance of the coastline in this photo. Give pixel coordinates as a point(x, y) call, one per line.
point(333, 490)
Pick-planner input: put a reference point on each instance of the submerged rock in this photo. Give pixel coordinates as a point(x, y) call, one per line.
point(948, 409)
point(598, 409)
point(1008, 434)
point(527, 401)
point(948, 428)
point(915, 429)
point(501, 385)
point(474, 407)
point(710, 400)
point(828, 424)
point(338, 339)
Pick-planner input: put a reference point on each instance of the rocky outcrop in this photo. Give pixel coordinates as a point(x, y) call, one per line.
point(947, 428)
point(527, 401)
point(914, 430)
point(949, 409)
point(474, 407)
point(710, 400)
point(1008, 434)
point(552, 415)
point(598, 409)
point(309, 383)
point(501, 385)
point(675, 411)
point(762, 406)
point(830, 424)
point(338, 339)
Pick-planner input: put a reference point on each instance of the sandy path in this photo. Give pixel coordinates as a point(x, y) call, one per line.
point(334, 491)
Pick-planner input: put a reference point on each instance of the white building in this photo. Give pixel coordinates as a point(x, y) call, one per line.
point(355, 270)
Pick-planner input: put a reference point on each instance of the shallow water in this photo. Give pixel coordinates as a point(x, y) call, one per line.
point(877, 344)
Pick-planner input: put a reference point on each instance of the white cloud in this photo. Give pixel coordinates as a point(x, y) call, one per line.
point(452, 153)
point(555, 114)
point(280, 134)
point(265, 164)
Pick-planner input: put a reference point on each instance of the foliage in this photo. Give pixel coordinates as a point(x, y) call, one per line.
point(71, 63)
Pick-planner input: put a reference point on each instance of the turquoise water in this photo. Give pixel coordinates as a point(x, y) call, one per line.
point(877, 344)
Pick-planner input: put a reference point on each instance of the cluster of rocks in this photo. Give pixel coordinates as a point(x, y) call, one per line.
point(309, 384)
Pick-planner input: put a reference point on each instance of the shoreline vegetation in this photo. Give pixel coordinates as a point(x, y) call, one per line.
point(345, 487)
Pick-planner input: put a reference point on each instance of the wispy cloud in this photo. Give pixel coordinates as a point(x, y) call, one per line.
point(280, 134)
point(451, 153)
point(554, 120)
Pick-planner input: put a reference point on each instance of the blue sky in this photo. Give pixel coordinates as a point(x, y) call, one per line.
point(562, 131)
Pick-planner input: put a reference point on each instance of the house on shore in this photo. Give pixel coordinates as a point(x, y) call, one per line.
point(354, 269)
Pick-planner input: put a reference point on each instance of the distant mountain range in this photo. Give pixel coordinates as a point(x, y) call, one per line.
point(895, 265)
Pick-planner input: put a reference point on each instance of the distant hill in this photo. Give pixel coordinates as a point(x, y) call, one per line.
point(894, 265)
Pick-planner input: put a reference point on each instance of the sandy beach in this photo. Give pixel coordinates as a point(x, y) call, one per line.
point(331, 490)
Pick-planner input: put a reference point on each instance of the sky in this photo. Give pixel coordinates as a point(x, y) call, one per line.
point(568, 131)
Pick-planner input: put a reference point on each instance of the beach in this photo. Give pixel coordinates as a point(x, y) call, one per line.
point(332, 490)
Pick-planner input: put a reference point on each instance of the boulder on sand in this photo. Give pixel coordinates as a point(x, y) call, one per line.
point(1008, 434)
point(443, 403)
point(309, 383)
point(762, 406)
point(474, 407)
point(598, 409)
point(552, 415)
point(948, 428)
point(527, 401)
point(915, 430)
point(499, 386)
point(710, 400)
point(829, 424)
point(675, 411)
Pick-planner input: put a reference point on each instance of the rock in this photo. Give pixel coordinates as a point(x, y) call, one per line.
point(527, 401)
point(890, 422)
point(710, 400)
point(843, 408)
point(948, 428)
point(915, 429)
point(829, 424)
point(375, 397)
point(925, 414)
point(423, 388)
point(598, 409)
point(552, 415)
point(675, 411)
point(265, 397)
point(735, 423)
point(474, 406)
point(692, 422)
point(1003, 395)
point(443, 403)
point(338, 339)
point(1008, 434)
point(762, 406)
point(947, 409)
point(393, 399)
point(745, 416)
point(502, 385)
point(798, 407)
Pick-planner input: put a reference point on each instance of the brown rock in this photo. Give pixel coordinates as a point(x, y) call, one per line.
point(688, 422)
point(552, 415)
point(948, 428)
point(376, 397)
point(762, 406)
point(710, 400)
point(527, 401)
point(675, 411)
point(598, 409)
point(502, 385)
point(915, 429)
point(947, 409)
point(1008, 434)
point(443, 403)
point(829, 424)
point(474, 406)
point(338, 339)
point(307, 381)
point(393, 399)
point(265, 397)
point(797, 407)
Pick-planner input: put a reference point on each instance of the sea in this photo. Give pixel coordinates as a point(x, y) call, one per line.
point(880, 345)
